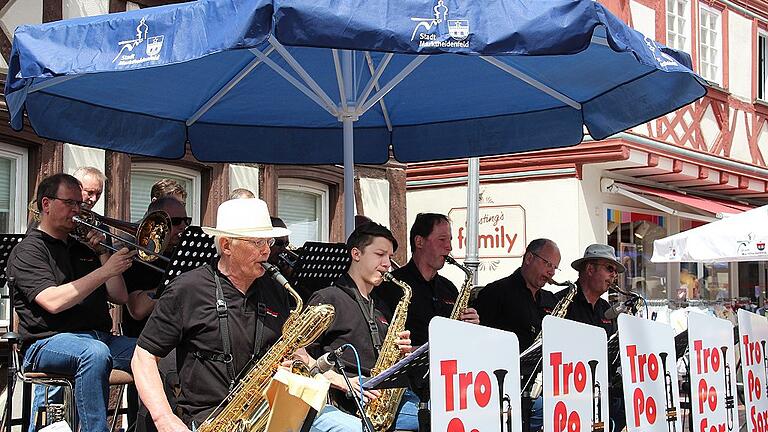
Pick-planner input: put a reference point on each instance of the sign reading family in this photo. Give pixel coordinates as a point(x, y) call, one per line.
point(501, 231)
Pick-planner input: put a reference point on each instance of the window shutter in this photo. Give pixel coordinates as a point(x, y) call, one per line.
point(299, 210)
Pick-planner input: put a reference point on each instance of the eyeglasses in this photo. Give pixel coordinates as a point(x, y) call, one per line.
point(259, 243)
point(179, 220)
point(610, 268)
point(69, 202)
point(546, 262)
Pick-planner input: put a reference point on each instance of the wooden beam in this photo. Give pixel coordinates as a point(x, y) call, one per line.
point(117, 6)
point(151, 3)
point(118, 188)
point(53, 10)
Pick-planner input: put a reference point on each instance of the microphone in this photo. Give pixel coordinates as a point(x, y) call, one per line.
point(614, 311)
point(275, 274)
point(327, 361)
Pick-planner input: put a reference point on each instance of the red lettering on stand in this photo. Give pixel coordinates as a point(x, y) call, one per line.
point(448, 370)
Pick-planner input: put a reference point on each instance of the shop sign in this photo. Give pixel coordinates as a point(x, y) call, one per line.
point(501, 231)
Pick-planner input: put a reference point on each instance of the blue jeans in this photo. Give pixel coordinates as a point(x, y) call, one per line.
point(331, 419)
point(89, 357)
point(537, 415)
point(408, 412)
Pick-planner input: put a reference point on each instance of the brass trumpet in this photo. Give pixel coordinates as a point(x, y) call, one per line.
point(152, 234)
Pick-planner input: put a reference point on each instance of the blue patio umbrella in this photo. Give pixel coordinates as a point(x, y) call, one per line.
point(337, 81)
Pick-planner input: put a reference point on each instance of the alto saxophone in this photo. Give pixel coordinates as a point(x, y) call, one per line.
point(382, 410)
point(245, 409)
point(462, 300)
point(560, 310)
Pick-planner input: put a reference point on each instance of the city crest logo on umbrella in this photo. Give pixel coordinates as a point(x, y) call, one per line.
point(154, 44)
point(428, 32)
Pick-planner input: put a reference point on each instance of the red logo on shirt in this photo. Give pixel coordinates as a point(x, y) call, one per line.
point(383, 320)
point(272, 313)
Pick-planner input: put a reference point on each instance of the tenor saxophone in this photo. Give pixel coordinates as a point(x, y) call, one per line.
point(383, 410)
point(462, 300)
point(245, 409)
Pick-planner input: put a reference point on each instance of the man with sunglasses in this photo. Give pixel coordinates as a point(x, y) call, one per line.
point(61, 291)
point(143, 285)
point(598, 270)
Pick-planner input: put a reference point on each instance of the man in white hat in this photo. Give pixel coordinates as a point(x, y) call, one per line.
point(217, 317)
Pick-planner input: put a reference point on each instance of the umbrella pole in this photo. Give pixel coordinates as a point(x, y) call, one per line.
point(473, 215)
point(347, 122)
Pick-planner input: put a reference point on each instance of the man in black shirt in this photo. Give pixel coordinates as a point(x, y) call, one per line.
point(213, 349)
point(61, 291)
point(598, 270)
point(433, 294)
point(359, 321)
point(517, 303)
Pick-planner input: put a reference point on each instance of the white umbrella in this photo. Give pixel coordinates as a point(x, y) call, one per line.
point(741, 237)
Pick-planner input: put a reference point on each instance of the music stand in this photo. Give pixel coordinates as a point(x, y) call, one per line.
point(319, 264)
point(411, 371)
point(195, 248)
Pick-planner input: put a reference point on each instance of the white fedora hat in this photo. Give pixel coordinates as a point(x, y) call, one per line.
point(245, 217)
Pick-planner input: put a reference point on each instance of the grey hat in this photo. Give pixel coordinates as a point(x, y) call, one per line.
point(596, 252)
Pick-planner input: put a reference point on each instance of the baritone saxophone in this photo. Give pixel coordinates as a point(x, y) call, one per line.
point(245, 409)
point(383, 410)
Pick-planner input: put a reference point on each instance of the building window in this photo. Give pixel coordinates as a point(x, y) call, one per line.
point(144, 175)
point(703, 281)
point(710, 44)
point(303, 206)
point(678, 28)
point(13, 203)
point(762, 74)
point(632, 234)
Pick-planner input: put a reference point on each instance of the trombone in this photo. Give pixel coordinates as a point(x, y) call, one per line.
point(152, 234)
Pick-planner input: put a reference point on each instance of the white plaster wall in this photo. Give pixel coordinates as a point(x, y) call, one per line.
point(551, 210)
point(740, 56)
point(709, 128)
point(740, 147)
point(16, 13)
point(132, 6)
point(376, 202)
point(243, 176)
point(76, 156)
point(82, 8)
point(643, 19)
point(762, 140)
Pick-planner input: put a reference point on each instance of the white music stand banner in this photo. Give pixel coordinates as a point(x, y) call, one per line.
point(649, 375)
point(713, 374)
point(575, 372)
point(753, 334)
point(474, 378)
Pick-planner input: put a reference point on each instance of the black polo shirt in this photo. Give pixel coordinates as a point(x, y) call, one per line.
point(508, 304)
point(138, 278)
point(582, 311)
point(349, 324)
point(39, 262)
point(185, 318)
point(429, 299)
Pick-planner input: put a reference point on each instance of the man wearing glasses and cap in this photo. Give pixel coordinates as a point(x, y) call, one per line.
point(212, 348)
point(598, 270)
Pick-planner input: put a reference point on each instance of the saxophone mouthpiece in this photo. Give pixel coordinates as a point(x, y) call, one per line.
point(450, 260)
point(387, 276)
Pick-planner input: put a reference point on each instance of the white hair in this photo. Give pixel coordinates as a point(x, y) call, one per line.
point(82, 172)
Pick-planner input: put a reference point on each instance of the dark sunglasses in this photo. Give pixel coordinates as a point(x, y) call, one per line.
point(178, 220)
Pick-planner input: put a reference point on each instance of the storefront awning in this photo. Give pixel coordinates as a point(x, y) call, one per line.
point(646, 195)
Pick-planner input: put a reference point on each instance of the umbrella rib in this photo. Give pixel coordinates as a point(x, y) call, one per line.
point(532, 82)
point(339, 79)
point(296, 83)
point(296, 66)
point(392, 83)
point(226, 89)
point(374, 76)
point(51, 82)
point(376, 85)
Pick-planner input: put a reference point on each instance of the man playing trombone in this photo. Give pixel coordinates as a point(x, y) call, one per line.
point(61, 291)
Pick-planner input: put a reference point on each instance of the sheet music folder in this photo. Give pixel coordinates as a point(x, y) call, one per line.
point(399, 375)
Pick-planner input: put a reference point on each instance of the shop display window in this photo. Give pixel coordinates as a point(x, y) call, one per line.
point(632, 234)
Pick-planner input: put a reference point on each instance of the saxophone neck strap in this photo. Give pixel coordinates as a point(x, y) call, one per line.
point(368, 314)
point(222, 314)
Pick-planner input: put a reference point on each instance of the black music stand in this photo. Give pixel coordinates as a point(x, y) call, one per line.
point(318, 265)
point(411, 372)
point(8, 242)
point(195, 248)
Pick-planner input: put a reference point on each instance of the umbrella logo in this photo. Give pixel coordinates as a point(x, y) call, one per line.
point(428, 30)
point(128, 55)
point(761, 246)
